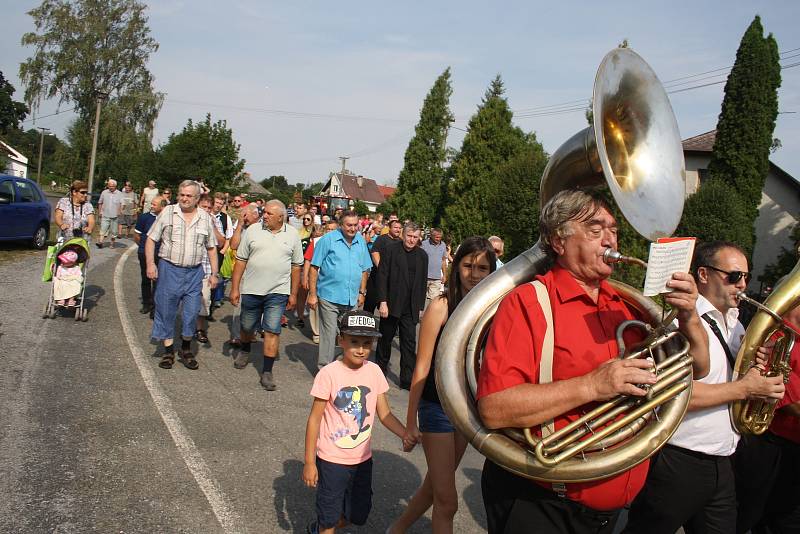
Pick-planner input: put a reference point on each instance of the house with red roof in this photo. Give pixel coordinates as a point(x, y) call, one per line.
point(778, 212)
point(354, 187)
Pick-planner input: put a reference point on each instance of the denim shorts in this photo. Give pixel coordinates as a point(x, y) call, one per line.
point(343, 491)
point(266, 309)
point(432, 418)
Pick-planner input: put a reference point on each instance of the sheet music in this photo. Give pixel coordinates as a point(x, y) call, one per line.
point(667, 256)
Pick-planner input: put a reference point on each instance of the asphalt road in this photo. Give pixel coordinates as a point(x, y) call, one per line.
point(94, 437)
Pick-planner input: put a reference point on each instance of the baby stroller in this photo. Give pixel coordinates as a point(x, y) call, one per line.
point(80, 247)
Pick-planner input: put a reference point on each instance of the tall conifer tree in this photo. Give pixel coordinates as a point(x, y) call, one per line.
point(491, 141)
point(419, 185)
point(740, 158)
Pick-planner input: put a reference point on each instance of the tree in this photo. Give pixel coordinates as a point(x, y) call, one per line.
point(360, 207)
point(12, 113)
point(205, 150)
point(419, 185)
point(785, 262)
point(513, 201)
point(740, 157)
point(491, 141)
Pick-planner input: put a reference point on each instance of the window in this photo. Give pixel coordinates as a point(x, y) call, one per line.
point(27, 193)
point(335, 188)
point(7, 191)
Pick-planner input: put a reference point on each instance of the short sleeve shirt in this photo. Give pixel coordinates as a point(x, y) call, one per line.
point(183, 243)
point(269, 258)
point(785, 425)
point(111, 203)
point(349, 417)
point(74, 216)
point(436, 255)
point(584, 338)
point(127, 203)
point(340, 267)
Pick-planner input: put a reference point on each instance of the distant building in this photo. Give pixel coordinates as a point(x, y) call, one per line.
point(12, 162)
point(777, 214)
point(354, 187)
point(387, 191)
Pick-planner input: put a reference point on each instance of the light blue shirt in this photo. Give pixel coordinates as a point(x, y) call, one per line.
point(340, 267)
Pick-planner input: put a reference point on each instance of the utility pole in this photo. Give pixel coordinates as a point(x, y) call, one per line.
point(100, 97)
point(41, 146)
point(344, 160)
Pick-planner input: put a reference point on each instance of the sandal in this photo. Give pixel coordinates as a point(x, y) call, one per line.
point(188, 360)
point(201, 336)
point(167, 360)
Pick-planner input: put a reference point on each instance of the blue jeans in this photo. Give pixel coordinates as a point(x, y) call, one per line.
point(176, 286)
point(264, 309)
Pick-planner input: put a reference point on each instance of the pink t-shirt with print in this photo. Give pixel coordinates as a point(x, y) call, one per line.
point(346, 427)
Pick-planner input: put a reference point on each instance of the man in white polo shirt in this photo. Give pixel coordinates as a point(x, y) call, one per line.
point(268, 263)
point(690, 483)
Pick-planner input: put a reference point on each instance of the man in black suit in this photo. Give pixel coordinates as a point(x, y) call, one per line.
point(402, 281)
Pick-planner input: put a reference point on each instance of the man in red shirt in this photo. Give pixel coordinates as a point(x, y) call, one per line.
point(576, 228)
point(768, 467)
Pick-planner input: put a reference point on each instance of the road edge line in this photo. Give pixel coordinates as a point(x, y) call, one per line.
point(228, 519)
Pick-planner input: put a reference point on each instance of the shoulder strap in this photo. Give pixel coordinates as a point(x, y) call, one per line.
point(715, 328)
point(546, 363)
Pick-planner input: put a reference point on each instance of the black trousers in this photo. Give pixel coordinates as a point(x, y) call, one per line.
point(686, 489)
point(515, 505)
point(408, 345)
point(768, 485)
point(148, 286)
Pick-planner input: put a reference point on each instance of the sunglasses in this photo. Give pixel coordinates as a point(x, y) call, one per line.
point(83, 192)
point(306, 220)
point(732, 276)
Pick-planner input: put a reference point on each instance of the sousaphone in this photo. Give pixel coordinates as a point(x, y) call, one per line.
point(634, 147)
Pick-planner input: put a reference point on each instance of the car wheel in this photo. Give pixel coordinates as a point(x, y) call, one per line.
point(40, 237)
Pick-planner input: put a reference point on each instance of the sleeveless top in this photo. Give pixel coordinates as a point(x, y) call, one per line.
point(429, 392)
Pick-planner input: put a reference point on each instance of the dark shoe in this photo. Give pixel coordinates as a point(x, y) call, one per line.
point(188, 360)
point(167, 360)
point(99, 245)
point(235, 342)
point(210, 317)
point(267, 382)
point(152, 313)
point(300, 323)
point(201, 336)
point(145, 308)
point(312, 528)
point(284, 321)
point(241, 361)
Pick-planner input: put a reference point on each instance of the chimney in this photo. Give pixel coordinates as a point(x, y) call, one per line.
point(360, 181)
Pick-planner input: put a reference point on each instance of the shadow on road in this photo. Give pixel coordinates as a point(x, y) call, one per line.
point(473, 497)
point(92, 296)
point(305, 353)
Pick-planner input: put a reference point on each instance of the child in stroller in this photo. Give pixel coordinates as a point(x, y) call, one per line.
point(68, 279)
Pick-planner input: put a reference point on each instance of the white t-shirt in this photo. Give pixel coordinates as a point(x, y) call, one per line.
point(710, 430)
point(148, 194)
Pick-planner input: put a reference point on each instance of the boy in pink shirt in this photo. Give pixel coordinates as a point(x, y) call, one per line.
point(338, 458)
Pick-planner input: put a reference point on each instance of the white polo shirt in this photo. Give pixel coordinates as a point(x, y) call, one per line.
point(710, 430)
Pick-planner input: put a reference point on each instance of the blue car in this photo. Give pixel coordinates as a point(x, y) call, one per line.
point(24, 211)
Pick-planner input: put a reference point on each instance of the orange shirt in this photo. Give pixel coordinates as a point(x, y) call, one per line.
point(585, 337)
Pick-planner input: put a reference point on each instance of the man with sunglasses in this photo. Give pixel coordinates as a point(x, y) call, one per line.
point(691, 482)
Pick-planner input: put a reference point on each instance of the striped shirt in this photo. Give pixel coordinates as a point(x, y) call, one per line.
point(183, 244)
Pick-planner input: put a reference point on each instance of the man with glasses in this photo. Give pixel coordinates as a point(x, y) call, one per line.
point(691, 482)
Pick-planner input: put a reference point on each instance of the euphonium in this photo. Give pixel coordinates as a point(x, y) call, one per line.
point(635, 147)
point(754, 416)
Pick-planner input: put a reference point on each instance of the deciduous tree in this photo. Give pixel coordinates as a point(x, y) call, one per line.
point(11, 111)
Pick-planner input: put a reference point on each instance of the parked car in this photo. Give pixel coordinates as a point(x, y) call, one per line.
point(24, 211)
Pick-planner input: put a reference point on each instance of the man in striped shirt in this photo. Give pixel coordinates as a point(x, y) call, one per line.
point(186, 234)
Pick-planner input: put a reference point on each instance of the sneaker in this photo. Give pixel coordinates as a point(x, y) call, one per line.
point(241, 361)
point(267, 382)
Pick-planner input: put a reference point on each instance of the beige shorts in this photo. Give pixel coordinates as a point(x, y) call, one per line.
point(435, 288)
point(205, 297)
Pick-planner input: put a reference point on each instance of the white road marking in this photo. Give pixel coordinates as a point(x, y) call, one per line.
point(227, 517)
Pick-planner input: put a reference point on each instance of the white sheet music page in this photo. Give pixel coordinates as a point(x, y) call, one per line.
point(667, 256)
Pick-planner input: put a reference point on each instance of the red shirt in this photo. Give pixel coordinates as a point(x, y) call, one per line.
point(309, 253)
point(786, 425)
point(584, 338)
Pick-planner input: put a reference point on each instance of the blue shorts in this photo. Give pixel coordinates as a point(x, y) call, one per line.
point(343, 491)
point(264, 309)
point(432, 418)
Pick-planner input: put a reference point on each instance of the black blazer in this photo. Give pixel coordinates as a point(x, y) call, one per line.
point(394, 287)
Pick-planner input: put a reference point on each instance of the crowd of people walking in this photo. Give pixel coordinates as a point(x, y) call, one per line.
point(550, 356)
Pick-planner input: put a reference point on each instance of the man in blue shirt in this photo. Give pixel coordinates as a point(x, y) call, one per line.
point(338, 280)
point(143, 224)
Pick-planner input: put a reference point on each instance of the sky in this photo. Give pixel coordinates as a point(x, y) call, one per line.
point(302, 83)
